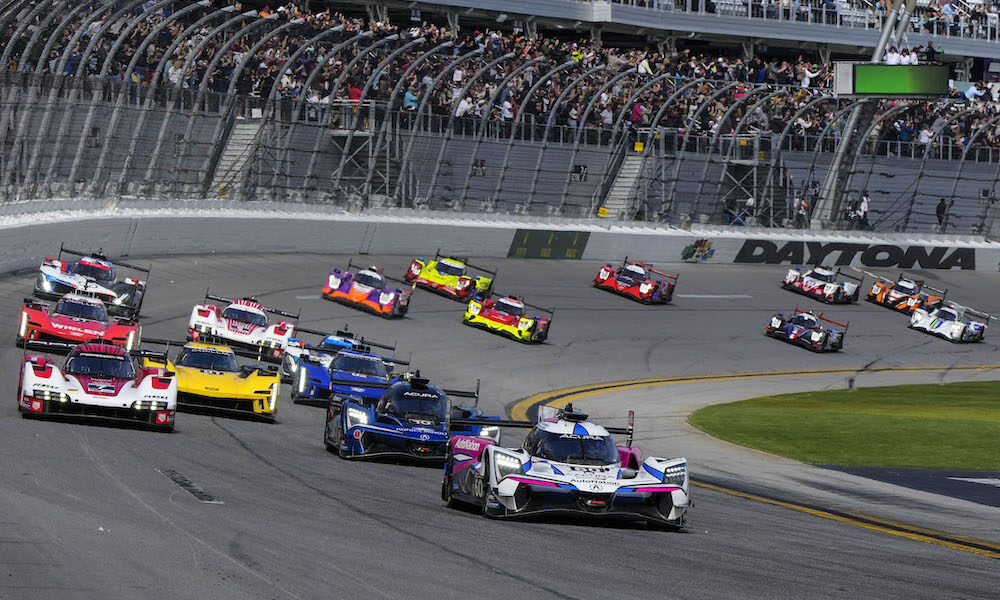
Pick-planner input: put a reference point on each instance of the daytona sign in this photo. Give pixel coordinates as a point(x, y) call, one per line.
point(845, 253)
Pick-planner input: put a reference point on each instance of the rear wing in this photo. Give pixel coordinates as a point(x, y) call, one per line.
point(549, 311)
point(206, 339)
point(100, 254)
point(384, 385)
point(465, 261)
point(822, 318)
point(923, 285)
point(345, 333)
point(273, 311)
point(545, 412)
point(412, 286)
point(840, 273)
point(985, 316)
point(649, 267)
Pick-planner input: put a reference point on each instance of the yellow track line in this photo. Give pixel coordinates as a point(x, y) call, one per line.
point(560, 398)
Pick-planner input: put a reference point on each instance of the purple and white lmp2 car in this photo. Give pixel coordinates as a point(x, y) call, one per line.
point(566, 464)
point(368, 289)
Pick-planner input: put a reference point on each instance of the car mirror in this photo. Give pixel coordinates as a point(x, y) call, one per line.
point(629, 473)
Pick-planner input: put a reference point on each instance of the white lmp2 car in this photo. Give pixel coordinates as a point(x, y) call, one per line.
point(242, 324)
point(951, 321)
point(566, 464)
point(98, 381)
point(827, 285)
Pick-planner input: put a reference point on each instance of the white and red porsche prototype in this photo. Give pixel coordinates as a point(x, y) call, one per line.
point(242, 324)
point(98, 381)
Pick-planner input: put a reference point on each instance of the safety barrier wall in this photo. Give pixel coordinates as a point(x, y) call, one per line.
point(139, 232)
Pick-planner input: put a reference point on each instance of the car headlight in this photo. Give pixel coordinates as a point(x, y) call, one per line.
point(23, 329)
point(775, 322)
point(816, 336)
point(415, 268)
point(292, 364)
point(490, 431)
point(645, 287)
point(474, 308)
point(121, 299)
point(50, 395)
point(386, 297)
point(355, 417)
point(675, 474)
point(131, 340)
point(524, 323)
point(334, 282)
point(302, 382)
point(46, 284)
point(274, 397)
point(463, 283)
point(507, 464)
point(830, 288)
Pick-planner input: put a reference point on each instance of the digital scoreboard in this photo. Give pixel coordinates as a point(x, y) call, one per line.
point(879, 80)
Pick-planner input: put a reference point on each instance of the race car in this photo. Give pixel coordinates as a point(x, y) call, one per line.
point(826, 285)
point(507, 316)
point(359, 372)
point(242, 324)
point(322, 353)
point(92, 275)
point(567, 464)
point(635, 280)
point(906, 294)
point(409, 419)
point(450, 276)
point(807, 329)
point(368, 289)
point(951, 321)
point(210, 378)
point(98, 381)
point(74, 318)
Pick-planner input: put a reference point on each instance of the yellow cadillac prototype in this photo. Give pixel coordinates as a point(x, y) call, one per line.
point(209, 378)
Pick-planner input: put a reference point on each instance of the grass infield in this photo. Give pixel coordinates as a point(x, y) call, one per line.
point(953, 426)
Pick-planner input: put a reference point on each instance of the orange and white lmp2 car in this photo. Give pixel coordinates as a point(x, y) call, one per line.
point(242, 325)
point(906, 294)
point(98, 381)
point(74, 319)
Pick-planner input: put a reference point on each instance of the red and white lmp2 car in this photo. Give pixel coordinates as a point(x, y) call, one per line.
point(77, 319)
point(823, 284)
point(242, 325)
point(634, 280)
point(98, 381)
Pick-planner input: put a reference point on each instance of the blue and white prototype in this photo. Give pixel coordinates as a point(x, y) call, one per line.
point(952, 322)
point(567, 464)
point(410, 419)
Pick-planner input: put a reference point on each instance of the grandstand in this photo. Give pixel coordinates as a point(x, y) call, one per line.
point(481, 110)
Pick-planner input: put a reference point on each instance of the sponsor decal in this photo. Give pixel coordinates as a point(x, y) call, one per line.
point(698, 251)
point(844, 254)
point(540, 243)
point(464, 444)
point(412, 394)
point(573, 436)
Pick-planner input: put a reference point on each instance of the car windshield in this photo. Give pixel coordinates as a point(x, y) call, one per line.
point(100, 365)
point(356, 363)
point(208, 360)
point(505, 306)
point(370, 279)
point(946, 315)
point(95, 272)
point(81, 310)
point(572, 448)
point(244, 316)
point(804, 320)
point(446, 267)
point(820, 275)
point(404, 401)
point(634, 272)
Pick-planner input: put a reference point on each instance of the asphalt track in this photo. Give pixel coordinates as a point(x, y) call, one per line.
point(89, 511)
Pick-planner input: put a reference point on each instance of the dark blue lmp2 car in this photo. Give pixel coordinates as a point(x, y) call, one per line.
point(411, 419)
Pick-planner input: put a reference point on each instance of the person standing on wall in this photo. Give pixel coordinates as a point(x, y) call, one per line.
point(942, 210)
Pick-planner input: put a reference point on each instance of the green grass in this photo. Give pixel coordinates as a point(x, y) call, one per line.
point(954, 426)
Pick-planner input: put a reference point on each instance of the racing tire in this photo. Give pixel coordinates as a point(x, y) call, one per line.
point(856, 295)
point(326, 436)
